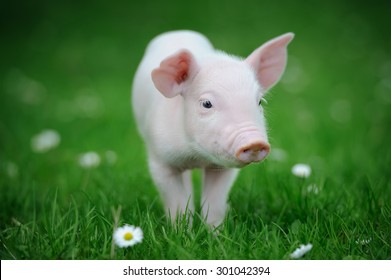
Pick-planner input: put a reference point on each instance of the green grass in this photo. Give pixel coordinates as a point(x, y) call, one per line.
point(331, 111)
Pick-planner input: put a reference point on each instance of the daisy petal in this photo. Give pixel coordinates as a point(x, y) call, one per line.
point(127, 235)
point(301, 251)
point(301, 170)
point(46, 140)
point(89, 160)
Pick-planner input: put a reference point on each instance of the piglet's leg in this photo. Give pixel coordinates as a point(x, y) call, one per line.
point(216, 186)
point(174, 186)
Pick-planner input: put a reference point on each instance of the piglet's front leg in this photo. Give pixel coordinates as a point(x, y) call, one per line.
point(216, 186)
point(175, 188)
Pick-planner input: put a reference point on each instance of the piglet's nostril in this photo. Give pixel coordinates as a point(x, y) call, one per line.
point(253, 152)
point(255, 148)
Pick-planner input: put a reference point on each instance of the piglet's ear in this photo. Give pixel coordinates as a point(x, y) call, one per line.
point(269, 60)
point(173, 72)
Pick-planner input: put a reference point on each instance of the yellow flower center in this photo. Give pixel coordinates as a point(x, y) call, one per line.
point(128, 236)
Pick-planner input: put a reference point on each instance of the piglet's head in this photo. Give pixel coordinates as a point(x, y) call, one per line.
point(223, 117)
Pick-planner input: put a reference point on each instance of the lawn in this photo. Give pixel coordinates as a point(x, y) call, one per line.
point(68, 66)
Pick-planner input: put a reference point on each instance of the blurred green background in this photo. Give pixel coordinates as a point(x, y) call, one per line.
point(336, 89)
point(68, 66)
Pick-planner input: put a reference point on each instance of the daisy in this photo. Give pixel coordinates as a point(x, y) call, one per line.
point(301, 251)
point(301, 170)
point(363, 241)
point(89, 160)
point(127, 236)
point(46, 140)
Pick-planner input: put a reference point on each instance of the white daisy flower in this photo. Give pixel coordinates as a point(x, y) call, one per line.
point(301, 251)
point(363, 241)
point(89, 160)
point(301, 170)
point(128, 236)
point(46, 140)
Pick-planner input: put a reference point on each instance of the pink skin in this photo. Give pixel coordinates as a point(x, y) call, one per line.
point(198, 108)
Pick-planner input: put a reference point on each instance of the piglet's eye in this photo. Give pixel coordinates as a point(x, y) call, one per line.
point(207, 104)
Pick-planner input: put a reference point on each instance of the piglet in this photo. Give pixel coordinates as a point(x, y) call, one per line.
point(197, 107)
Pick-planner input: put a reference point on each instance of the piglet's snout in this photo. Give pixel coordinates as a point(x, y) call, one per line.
point(253, 152)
